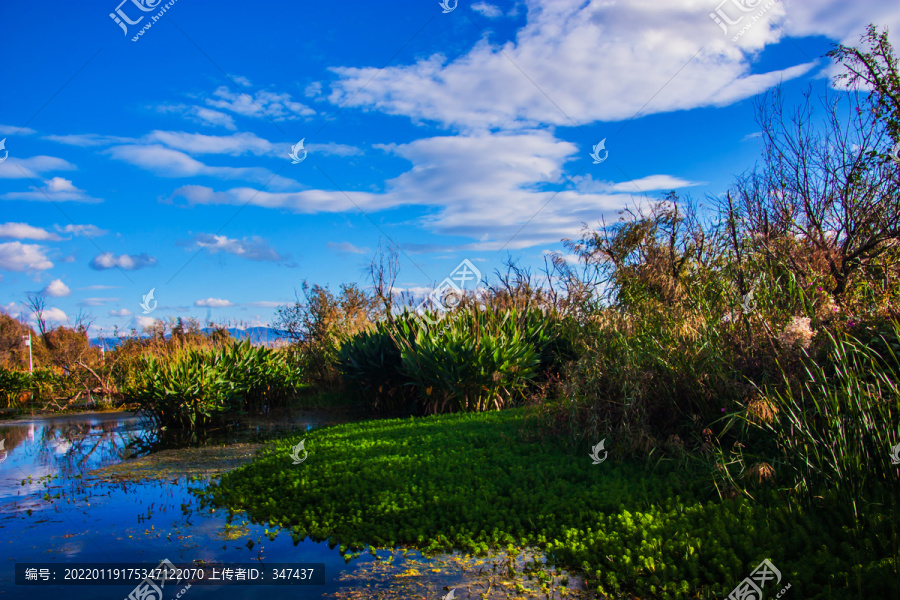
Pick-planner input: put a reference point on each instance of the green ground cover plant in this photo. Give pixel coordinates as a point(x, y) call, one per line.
point(480, 481)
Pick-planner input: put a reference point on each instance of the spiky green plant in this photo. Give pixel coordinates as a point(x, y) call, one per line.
point(191, 388)
point(13, 384)
point(370, 363)
point(468, 360)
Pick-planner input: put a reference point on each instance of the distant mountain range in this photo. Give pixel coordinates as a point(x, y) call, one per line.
point(257, 335)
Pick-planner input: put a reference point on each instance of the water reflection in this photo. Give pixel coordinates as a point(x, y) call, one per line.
point(68, 446)
point(52, 509)
point(62, 448)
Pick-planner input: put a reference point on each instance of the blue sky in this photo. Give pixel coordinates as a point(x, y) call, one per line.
point(164, 162)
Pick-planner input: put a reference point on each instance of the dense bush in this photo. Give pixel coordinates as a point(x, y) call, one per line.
point(192, 388)
point(473, 359)
point(13, 384)
point(321, 322)
point(371, 364)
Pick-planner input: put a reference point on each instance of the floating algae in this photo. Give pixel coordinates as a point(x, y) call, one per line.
point(205, 461)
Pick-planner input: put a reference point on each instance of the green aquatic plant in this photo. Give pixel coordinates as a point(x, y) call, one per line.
point(193, 387)
point(477, 482)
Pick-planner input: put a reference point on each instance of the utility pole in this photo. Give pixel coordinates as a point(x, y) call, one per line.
point(28, 343)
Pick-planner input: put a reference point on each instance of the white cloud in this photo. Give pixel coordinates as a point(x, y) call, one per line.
point(346, 248)
point(214, 118)
point(585, 62)
point(313, 89)
point(839, 20)
point(90, 231)
point(97, 301)
point(13, 130)
point(127, 262)
point(122, 312)
point(54, 315)
point(331, 148)
point(24, 231)
point(56, 289)
point(140, 322)
point(16, 256)
point(50, 314)
point(571, 259)
point(12, 309)
point(234, 145)
point(488, 10)
point(213, 303)
point(277, 107)
point(86, 140)
point(33, 167)
point(308, 201)
point(266, 304)
point(167, 162)
point(650, 183)
point(199, 114)
point(509, 178)
point(251, 248)
point(55, 189)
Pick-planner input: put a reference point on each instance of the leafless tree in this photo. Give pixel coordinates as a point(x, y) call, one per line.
point(654, 249)
point(875, 68)
point(38, 304)
point(83, 321)
point(824, 198)
point(383, 272)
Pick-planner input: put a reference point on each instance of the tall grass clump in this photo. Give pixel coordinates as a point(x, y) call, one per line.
point(472, 360)
point(14, 386)
point(371, 364)
point(193, 388)
point(832, 430)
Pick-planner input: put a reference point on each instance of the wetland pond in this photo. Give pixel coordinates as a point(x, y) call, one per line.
point(101, 488)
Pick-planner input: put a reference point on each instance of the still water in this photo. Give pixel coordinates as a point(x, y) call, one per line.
point(54, 508)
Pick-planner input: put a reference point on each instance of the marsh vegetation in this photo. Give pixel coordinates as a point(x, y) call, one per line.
point(740, 359)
